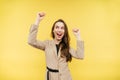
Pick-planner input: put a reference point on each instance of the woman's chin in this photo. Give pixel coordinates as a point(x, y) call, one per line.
point(59, 39)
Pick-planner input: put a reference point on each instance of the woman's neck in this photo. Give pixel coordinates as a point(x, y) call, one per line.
point(57, 41)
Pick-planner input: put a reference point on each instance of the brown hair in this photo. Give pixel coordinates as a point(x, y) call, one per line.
point(65, 46)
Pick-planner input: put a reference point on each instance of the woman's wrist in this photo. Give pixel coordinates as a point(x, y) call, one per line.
point(37, 22)
point(78, 38)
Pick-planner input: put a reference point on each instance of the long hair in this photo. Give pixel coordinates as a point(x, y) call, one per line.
point(65, 43)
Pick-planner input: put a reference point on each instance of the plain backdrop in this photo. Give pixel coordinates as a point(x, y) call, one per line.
point(99, 24)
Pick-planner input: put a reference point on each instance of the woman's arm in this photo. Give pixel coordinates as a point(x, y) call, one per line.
point(79, 52)
point(32, 38)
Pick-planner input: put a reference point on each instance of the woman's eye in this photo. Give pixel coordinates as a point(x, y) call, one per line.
point(57, 27)
point(62, 27)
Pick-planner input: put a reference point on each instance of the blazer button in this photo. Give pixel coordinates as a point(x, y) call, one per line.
point(60, 74)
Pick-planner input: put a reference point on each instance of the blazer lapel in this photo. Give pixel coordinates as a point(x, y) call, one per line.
point(59, 53)
point(55, 50)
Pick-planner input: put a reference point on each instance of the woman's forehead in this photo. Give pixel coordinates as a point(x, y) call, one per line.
point(59, 24)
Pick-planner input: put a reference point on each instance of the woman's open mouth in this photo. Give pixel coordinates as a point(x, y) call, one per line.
point(59, 34)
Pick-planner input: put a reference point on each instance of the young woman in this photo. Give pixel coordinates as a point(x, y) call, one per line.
point(57, 51)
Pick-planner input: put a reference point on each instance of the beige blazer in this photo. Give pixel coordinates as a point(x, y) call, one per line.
point(53, 60)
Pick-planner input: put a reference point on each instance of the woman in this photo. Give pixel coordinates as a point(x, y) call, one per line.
point(57, 51)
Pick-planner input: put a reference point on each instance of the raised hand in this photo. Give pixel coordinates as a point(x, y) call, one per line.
point(40, 16)
point(76, 32)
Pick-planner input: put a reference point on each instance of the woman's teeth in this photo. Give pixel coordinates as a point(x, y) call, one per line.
point(59, 34)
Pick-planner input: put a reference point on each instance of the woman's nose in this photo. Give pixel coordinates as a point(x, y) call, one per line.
point(59, 29)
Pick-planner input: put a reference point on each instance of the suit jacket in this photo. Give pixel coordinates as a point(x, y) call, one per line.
point(53, 60)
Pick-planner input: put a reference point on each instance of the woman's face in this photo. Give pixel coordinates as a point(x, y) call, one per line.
point(59, 30)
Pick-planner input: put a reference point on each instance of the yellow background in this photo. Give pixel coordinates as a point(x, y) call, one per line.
point(98, 21)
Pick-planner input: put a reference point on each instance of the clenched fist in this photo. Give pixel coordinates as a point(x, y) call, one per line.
point(76, 33)
point(40, 16)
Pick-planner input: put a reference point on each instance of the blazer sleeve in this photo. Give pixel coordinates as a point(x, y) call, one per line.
point(32, 38)
point(79, 52)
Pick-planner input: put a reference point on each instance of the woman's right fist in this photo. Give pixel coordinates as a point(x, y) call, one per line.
point(40, 15)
